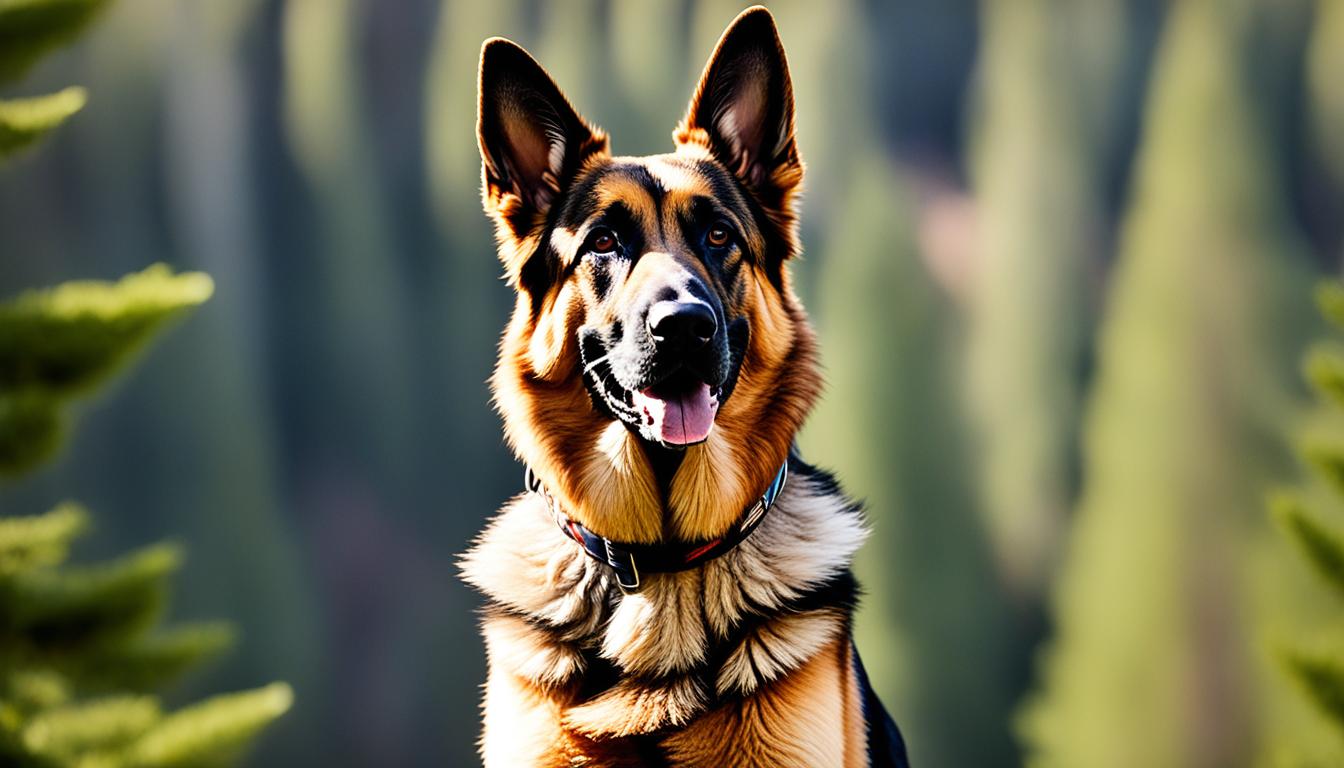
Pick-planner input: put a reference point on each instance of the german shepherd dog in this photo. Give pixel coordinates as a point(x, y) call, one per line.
point(673, 588)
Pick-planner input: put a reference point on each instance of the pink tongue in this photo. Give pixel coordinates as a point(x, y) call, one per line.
point(686, 418)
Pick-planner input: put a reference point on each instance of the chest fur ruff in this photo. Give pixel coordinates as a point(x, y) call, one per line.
point(622, 665)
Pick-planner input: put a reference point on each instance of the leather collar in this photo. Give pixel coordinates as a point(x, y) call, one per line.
point(631, 560)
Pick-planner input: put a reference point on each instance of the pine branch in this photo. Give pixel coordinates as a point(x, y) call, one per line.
point(59, 613)
point(40, 540)
point(1324, 368)
point(65, 339)
point(31, 430)
point(1330, 301)
point(24, 121)
point(1323, 679)
point(218, 726)
point(1322, 547)
point(156, 660)
point(31, 690)
point(59, 342)
point(29, 29)
point(1327, 459)
point(65, 733)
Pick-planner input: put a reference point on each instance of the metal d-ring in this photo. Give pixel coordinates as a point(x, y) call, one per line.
point(615, 566)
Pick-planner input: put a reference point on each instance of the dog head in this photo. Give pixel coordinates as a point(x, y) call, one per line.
point(654, 309)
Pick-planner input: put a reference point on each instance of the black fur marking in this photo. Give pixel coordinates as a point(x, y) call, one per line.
point(722, 264)
point(729, 270)
point(840, 593)
point(641, 176)
point(886, 746)
point(538, 273)
point(650, 751)
point(825, 483)
point(739, 333)
point(601, 281)
point(580, 203)
point(727, 186)
point(606, 394)
point(565, 633)
point(622, 220)
point(600, 675)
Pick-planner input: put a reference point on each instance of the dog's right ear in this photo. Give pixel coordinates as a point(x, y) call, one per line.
point(532, 141)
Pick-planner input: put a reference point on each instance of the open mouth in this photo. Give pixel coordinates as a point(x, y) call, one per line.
point(679, 410)
point(676, 410)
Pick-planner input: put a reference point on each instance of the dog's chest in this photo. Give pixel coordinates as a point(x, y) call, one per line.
point(623, 664)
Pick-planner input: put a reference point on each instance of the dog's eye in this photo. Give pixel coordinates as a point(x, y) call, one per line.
point(719, 235)
point(602, 240)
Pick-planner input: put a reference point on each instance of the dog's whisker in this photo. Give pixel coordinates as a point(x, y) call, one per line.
point(620, 404)
point(590, 366)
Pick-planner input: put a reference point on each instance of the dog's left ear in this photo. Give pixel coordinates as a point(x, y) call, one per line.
point(742, 110)
point(532, 141)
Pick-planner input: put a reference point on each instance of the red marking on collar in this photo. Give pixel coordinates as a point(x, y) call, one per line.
point(694, 554)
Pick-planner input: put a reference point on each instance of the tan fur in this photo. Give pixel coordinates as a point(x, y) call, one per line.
point(792, 722)
point(520, 562)
point(855, 725)
point(601, 479)
point(524, 727)
point(812, 718)
point(776, 388)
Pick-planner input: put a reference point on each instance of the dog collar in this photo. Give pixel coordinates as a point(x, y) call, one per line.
point(630, 560)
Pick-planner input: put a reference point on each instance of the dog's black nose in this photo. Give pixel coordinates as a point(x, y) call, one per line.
point(681, 324)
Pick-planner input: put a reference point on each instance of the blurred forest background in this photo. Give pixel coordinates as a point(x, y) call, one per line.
point(1060, 254)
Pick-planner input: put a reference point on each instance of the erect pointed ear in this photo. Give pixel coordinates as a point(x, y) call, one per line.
point(532, 141)
point(742, 109)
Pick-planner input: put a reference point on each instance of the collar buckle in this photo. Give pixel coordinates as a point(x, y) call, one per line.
point(627, 573)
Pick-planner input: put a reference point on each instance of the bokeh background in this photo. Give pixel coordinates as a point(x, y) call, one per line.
point(1059, 252)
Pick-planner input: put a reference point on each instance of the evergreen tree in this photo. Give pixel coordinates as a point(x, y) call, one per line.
point(1309, 516)
point(28, 30)
point(1153, 663)
point(60, 343)
point(81, 649)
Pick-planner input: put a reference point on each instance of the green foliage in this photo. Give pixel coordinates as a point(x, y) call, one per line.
point(1154, 662)
point(1327, 458)
point(1320, 674)
point(221, 722)
point(29, 29)
point(57, 343)
point(81, 652)
point(1324, 368)
point(1322, 677)
point(1322, 547)
point(23, 121)
point(1330, 300)
point(30, 542)
point(67, 338)
point(81, 648)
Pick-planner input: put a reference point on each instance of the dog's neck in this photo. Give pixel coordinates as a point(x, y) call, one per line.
point(664, 462)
